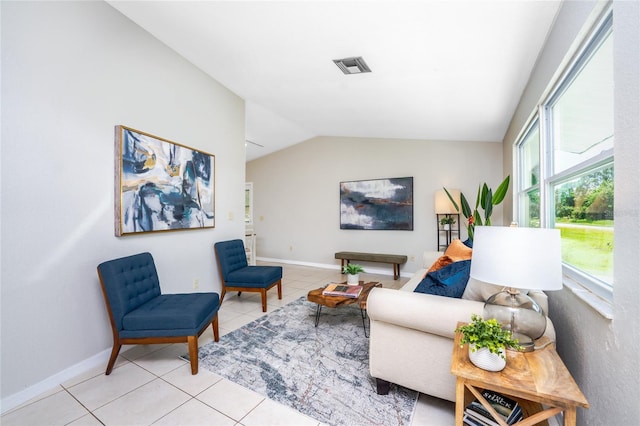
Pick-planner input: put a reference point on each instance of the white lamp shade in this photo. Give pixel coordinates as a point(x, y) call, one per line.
point(527, 258)
point(443, 204)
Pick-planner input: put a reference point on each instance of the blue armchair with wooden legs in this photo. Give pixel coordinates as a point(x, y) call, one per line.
point(140, 314)
point(237, 275)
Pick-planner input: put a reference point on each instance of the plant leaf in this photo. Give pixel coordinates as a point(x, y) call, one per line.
point(483, 195)
point(477, 218)
point(466, 210)
point(452, 200)
point(488, 207)
point(501, 191)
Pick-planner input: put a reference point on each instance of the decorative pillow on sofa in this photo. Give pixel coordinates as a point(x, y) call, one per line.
point(457, 250)
point(440, 263)
point(449, 281)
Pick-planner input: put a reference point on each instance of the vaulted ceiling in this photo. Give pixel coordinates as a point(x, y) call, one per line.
point(441, 70)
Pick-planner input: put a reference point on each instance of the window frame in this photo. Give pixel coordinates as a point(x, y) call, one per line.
point(522, 191)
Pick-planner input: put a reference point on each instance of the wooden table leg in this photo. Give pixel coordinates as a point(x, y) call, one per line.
point(460, 401)
point(570, 416)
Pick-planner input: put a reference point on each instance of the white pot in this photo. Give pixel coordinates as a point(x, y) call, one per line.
point(446, 226)
point(485, 359)
point(353, 279)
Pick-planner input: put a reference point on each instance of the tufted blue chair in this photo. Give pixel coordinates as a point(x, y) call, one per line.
point(237, 275)
point(140, 314)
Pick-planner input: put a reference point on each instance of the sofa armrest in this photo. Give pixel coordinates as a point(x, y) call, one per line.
point(423, 312)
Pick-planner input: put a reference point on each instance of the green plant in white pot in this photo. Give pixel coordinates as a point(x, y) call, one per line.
point(353, 273)
point(487, 342)
point(447, 221)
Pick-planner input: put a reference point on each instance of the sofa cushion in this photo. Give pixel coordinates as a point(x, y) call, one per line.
point(440, 263)
point(480, 290)
point(457, 250)
point(449, 281)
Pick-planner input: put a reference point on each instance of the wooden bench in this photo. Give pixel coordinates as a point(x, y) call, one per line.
point(395, 259)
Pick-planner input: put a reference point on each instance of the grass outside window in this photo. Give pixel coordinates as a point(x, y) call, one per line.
point(588, 248)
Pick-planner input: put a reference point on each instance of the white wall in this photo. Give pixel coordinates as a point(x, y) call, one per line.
point(71, 71)
point(602, 354)
point(296, 194)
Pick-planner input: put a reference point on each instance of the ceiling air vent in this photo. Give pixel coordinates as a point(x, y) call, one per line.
point(355, 65)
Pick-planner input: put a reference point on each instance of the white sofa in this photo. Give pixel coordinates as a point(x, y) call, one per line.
point(411, 338)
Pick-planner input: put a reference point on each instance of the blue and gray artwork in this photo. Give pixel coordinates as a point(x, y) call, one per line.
point(377, 204)
point(164, 185)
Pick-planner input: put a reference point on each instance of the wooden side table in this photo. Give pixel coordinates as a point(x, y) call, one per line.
point(532, 379)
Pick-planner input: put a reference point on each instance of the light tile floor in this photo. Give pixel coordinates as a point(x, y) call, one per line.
point(151, 385)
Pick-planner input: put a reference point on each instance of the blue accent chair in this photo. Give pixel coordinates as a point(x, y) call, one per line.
point(237, 275)
point(140, 314)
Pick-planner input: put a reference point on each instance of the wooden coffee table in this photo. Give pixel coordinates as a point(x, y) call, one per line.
point(316, 296)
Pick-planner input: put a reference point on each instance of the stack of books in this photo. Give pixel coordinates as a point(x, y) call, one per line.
point(342, 290)
point(509, 410)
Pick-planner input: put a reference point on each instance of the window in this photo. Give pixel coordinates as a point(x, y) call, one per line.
point(584, 214)
point(565, 164)
point(529, 197)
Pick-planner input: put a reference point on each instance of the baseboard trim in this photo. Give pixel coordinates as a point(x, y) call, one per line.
point(369, 270)
point(33, 391)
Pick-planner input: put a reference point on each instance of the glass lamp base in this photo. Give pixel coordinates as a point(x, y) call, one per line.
point(526, 343)
point(519, 313)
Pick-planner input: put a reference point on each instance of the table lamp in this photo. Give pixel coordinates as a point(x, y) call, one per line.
point(517, 258)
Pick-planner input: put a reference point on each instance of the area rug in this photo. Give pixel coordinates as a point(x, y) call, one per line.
point(322, 372)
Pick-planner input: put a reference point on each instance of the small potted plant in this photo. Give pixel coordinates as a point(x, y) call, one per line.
point(447, 221)
point(353, 273)
point(487, 342)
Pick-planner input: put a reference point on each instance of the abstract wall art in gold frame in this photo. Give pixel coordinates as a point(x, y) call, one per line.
point(161, 185)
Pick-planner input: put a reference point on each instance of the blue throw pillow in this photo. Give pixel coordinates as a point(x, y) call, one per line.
point(468, 242)
point(449, 281)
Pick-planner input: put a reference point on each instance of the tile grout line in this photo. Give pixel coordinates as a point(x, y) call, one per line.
point(82, 405)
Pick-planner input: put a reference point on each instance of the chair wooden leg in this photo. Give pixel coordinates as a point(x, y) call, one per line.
point(280, 289)
point(114, 355)
point(214, 324)
point(193, 353)
point(224, 291)
point(263, 292)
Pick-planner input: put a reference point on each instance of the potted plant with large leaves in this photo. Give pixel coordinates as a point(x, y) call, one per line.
point(487, 342)
point(485, 200)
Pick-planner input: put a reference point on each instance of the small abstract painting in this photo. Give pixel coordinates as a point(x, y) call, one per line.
point(377, 204)
point(161, 185)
